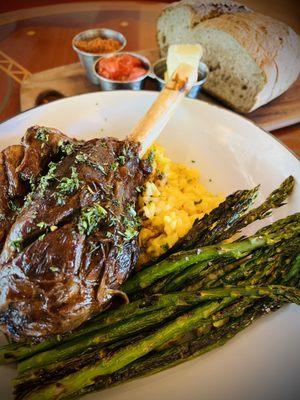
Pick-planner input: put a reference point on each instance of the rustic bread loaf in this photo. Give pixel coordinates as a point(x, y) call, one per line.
point(252, 58)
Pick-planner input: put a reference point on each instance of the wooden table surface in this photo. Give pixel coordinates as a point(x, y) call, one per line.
point(38, 38)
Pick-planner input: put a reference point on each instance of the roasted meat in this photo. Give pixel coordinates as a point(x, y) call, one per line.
point(74, 242)
point(12, 189)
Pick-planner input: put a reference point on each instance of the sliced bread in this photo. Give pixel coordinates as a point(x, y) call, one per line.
point(252, 58)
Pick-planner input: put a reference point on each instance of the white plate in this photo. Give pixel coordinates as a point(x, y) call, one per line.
point(263, 362)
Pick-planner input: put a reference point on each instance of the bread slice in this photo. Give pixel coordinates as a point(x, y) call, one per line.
point(179, 17)
point(252, 58)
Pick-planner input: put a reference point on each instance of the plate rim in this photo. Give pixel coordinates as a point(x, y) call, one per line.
point(153, 92)
point(260, 131)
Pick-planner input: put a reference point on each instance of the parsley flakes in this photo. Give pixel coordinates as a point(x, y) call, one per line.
point(42, 225)
point(45, 180)
point(13, 206)
point(42, 135)
point(151, 156)
point(16, 244)
point(69, 185)
point(90, 219)
point(130, 233)
point(66, 147)
point(83, 158)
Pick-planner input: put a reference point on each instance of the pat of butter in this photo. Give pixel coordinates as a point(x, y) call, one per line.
point(184, 54)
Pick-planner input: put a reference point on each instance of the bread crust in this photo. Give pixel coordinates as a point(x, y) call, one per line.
point(207, 9)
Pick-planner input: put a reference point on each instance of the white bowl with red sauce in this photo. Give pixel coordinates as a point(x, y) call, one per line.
point(122, 71)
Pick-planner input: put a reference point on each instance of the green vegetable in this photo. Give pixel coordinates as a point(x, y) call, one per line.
point(172, 356)
point(283, 229)
point(195, 318)
point(231, 216)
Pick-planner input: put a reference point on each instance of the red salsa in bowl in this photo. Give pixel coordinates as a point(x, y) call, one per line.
point(124, 67)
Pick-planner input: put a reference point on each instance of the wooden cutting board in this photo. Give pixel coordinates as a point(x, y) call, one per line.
point(70, 80)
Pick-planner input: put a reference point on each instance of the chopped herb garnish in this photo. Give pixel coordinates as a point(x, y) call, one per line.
point(131, 223)
point(61, 199)
point(28, 200)
point(99, 167)
point(114, 166)
point(69, 185)
point(54, 269)
point(94, 247)
point(140, 189)
point(42, 225)
point(32, 183)
point(16, 244)
point(197, 202)
point(131, 211)
point(45, 180)
point(113, 221)
point(121, 160)
point(151, 156)
point(42, 236)
point(90, 218)
point(129, 233)
point(34, 214)
point(103, 144)
point(13, 206)
point(90, 189)
point(127, 151)
point(165, 247)
point(42, 135)
point(81, 157)
point(160, 175)
point(66, 147)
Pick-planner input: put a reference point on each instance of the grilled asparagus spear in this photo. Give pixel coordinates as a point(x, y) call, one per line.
point(231, 216)
point(285, 228)
point(193, 319)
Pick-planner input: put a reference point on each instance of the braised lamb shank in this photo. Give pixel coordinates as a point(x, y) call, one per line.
point(68, 229)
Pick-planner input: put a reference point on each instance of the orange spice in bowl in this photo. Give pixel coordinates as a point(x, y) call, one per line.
point(93, 40)
point(98, 45)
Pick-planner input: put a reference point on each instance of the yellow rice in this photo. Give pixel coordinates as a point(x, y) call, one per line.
point(173, 198)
